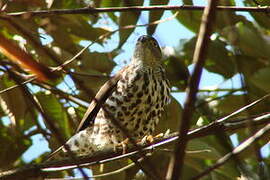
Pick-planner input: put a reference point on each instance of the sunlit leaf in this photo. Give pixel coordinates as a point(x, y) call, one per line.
point(261, 77)
point(261, 18)
point(12, 147)
point(79, 26)
point(55, 111)
point(155, 15)
point(176, 71)
point(16, 106)
point(219, 59)
point(192, 19)
point(246, 37)
point(128, 18)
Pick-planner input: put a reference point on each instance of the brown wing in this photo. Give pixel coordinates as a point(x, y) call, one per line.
point(102, 95)
point(104, 92)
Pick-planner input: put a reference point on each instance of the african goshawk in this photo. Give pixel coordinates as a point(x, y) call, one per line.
point(134, 98)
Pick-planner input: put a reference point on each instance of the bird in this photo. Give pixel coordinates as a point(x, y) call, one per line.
point(130, 104)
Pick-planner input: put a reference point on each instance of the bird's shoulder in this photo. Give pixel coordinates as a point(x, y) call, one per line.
point(102, 95)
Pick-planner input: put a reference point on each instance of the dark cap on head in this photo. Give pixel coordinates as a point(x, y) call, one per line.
point(147, 50)
point(145, 38)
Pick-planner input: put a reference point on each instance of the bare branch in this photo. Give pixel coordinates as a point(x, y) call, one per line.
point(61, 67)
point(208, 17)
point(47, 119)
point(243, 146)
point(74, 98)
point(111, 155)
point(91, 10)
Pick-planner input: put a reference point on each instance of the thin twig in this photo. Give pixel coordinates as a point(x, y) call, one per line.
point(243, 146)
point(18, 85)
point(208, 17)
point(110, 155)
point(42, 50)
point(215, 90)
point(86, 74)
point(149, 169)
point(73, 98)
point(47, 119)
point(251, 129)
point(99, 175)
point(133, 8)
point(244, 108)
point(101, 37)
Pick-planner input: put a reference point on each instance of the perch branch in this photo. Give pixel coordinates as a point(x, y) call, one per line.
point(110, 154)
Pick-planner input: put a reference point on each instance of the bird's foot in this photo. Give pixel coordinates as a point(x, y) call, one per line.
point(149, 139)
point(123, 145)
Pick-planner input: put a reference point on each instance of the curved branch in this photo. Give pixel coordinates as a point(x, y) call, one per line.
point(91, 10)
point(199, 57)
point(243, 146)
point(111, 155)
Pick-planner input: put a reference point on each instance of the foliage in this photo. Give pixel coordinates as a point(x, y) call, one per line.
point(239, 46)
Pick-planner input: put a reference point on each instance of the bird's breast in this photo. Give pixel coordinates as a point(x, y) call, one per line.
point(137, 102)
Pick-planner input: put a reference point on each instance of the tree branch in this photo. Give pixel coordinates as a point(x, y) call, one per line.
point(47, 119)
point(91, 10)
point(111, 155)
point(243, 146)
point(208, 17)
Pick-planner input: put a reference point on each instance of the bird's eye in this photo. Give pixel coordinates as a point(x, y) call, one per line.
point(155, 44)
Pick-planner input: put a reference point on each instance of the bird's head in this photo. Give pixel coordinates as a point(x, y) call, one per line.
point(147, 51)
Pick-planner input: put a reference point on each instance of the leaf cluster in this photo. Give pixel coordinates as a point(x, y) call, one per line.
point(239, 47)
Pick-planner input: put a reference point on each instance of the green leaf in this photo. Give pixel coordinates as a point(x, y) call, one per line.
point(101, 62)
point(95, 64)
point(55, 110)
point(248, 65)
point(202, 150)
point(13, 145)
point(190, 19)
point(111, 3)
point(67, 4)
point(219, 59)
point(79, 27)
point(261, 79)
point(176, 71)
point(230, 104)
point(16, 106)
point(248, 39)
point(128, 18)
point(261, 18)
point(155, 15)
point(170, 119)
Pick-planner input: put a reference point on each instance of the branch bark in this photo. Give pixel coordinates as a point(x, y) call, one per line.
point(47, 119)
point(35, 170)
point(177, 160)
point(91, 10)
point(244, 145)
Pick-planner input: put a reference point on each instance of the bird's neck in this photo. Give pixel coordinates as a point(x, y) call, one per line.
point(144, 62)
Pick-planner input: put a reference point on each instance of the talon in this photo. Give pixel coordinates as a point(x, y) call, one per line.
point(124, 144)
point(147, 139)
point(167, 133)
point(150, 139)
point(160, 135)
